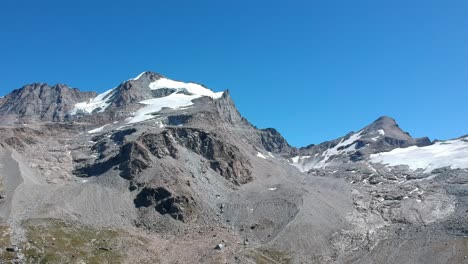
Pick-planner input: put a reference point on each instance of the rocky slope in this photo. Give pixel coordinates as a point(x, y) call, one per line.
point(162, 171)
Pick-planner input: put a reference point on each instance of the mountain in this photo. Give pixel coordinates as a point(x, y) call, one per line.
point(382, 135)
point(163, 171)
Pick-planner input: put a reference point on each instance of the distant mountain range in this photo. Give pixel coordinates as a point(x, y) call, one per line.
point(163, 171)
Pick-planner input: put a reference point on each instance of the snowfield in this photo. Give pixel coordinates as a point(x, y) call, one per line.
point(99, 102)
point(451, 153)
point(192, 88)
point(174, 101)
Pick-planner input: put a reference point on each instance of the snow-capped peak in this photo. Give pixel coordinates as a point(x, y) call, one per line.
point(182, 97)
point(179, 94)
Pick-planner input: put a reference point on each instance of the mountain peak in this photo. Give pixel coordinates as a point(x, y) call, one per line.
point(385, 125)
point(147, 75)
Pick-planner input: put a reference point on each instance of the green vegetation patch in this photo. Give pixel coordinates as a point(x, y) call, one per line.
point(55, 241)
point(5, 241)
point(268, 255)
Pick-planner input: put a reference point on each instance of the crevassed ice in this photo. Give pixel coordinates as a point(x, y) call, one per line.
point(451, 153)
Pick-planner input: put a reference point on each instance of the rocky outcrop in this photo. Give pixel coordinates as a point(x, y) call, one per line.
point(273, 141)
point(160, 145)
point(40, 101)
point(228, 111)
point(224, 158)
point(134, 91)
point(132, 159)
point(179, 207)
point(136, 156)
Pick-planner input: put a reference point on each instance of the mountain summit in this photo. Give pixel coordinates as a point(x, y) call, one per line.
point(382, 135)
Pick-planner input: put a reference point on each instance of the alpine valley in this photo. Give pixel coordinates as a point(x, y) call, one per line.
point(162, 171)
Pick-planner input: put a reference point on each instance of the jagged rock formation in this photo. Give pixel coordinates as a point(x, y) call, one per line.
point(42, 102)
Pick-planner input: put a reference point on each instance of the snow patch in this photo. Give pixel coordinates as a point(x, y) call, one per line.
point(344, 146)
point(192, 88)
point(299, 158)
point(173, 101)
point(451, 153)
point(100, 102)
point(260, 155)
point(272, 188)
point(97, 130)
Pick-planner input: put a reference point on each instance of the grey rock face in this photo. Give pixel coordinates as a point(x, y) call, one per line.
point(134, 91)
point(274, 142)
point(164, 202)
point(42, 102)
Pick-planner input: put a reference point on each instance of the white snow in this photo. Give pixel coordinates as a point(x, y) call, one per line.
point(336, 149)
point(305, 163)
point(96, 130)
point(173, 101)
point(154, 105)
point(271, 155)
point(272, 188)
point(295, 160)
point(88, 107)
point(451, 153)
point(299, 158)
point(192, 88)
point(260, 155)
point(381, 132)
point(138, 77)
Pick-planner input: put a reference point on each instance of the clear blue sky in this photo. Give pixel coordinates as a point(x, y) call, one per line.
point(312, 69)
